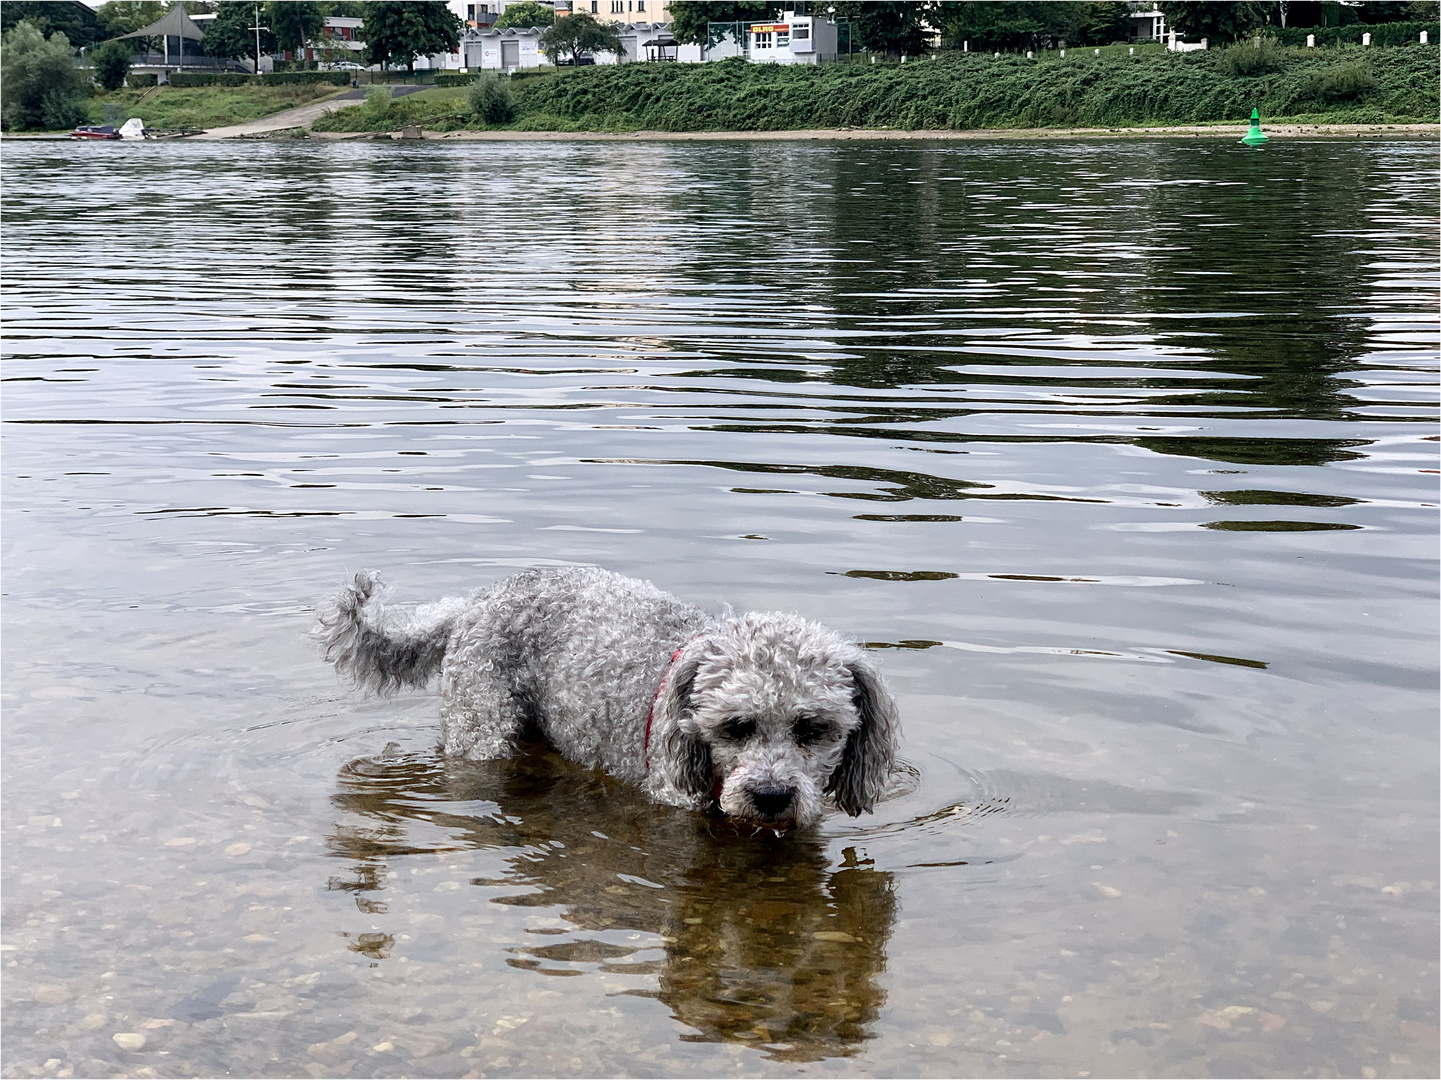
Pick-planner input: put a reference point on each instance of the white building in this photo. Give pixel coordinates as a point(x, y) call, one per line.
point(795, 39)
point(515, 48)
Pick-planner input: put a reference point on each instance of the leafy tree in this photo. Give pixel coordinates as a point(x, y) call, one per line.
point(1217, 21)
point(126, 16)
point(76, 21)
point(231, 34)
point(525, 13)
point(293, 22)
point(1104, 22)
point(579, 35)
point(40, 84)
point(111, 63)
point(894, 27)
point(397, 31)
point(690, 19)
point(1015, 25)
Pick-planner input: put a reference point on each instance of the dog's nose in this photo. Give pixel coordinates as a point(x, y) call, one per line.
point(772, 802)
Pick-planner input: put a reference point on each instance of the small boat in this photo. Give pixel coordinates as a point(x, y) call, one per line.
point(95, 131)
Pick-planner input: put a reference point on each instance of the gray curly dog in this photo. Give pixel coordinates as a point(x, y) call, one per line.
point(759, 715)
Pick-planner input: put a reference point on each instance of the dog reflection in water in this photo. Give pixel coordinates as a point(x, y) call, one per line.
point(768, 943)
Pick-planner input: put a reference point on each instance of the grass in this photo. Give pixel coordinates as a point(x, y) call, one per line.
point(975, 91)
point(207, 106)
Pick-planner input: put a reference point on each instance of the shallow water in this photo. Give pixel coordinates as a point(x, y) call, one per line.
point(1121, 456)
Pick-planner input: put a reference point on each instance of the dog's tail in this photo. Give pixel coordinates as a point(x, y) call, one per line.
point(380, 654)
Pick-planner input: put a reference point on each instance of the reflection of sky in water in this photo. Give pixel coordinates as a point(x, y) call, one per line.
point(1116, 454)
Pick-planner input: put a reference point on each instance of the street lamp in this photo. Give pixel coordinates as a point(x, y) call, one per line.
point(257, 28)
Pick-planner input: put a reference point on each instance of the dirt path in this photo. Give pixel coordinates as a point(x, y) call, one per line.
point(300, 117)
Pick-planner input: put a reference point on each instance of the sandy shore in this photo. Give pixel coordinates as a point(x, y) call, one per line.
point(1222, 131)
point(294, 122)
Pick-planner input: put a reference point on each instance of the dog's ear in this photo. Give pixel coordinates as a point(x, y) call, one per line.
point(860, 778)
point(679, 760)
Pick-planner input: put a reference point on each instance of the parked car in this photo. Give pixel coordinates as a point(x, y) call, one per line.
point(582, 62)
point(346, 65)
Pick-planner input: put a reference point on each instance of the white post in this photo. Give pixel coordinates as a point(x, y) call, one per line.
point(1098, 52)
point(1205, 44)
point(1063, 54)
point(1310, 41)
point(1366, 39)
point(1131, 51)
point(1425, 38)
point(1029, 54)
point(966, 45)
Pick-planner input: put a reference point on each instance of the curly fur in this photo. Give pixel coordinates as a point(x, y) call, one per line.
point(759, 715)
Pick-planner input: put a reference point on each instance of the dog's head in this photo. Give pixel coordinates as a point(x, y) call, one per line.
point(766, 713)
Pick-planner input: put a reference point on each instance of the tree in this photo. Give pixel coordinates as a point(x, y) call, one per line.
point(111, 63)
point(1217, 21)
point(690, 19)
point(894, 27)
point(76, 21)
point(294, 23)
point(397, 31)
point(579, 35)
point(40, 84)
point(525, 13)
point(232, 34)
point(125, 16)
point(1013, 25)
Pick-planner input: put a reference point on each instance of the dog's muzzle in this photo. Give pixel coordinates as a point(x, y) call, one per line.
point(773, 803)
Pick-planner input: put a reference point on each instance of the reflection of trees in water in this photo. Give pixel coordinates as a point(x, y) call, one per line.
point(766, 942)
point(1233, 262)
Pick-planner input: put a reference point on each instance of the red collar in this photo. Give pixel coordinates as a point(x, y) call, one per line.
point(650, 716)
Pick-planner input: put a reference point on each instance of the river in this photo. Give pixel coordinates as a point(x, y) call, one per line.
point(1121, 456)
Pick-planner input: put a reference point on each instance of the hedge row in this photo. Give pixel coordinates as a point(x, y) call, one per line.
point(236, 78)
point(1397, 33)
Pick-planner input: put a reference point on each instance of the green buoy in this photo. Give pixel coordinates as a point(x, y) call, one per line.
point(1254, 137)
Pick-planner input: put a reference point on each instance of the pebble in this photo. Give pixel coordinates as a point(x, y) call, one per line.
point(129, 1040)
point(180, 841)
point(1107, 890)
point(237, 849)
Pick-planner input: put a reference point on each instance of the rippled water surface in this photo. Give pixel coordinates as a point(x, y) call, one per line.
point(1121, 456)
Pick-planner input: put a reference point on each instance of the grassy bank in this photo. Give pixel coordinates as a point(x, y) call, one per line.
point(1344, 84)
point(206, 106)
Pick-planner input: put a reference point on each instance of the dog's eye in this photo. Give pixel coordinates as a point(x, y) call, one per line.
point(811, 729)
point(738, 728)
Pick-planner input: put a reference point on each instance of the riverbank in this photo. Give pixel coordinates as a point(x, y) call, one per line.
point(1210, 131)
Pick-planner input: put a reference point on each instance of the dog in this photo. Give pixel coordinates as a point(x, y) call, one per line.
point(758, 715)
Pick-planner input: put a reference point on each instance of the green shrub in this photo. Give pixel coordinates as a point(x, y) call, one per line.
point(1384, 34)
point(452, 78)
point(290, 78)
point(1343, 82)
point(971, 90)
point(40, 84)
point(489, 99)
point(110, 63)
point(210, 78)
point(139, 79)
point(1248, 59)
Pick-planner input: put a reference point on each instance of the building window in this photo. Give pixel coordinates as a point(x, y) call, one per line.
point(801, 33)
point(640, 5)
point(617, 6)
point(595, 7)
point(783, 39)
point(470, 13)
point(763, 41)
